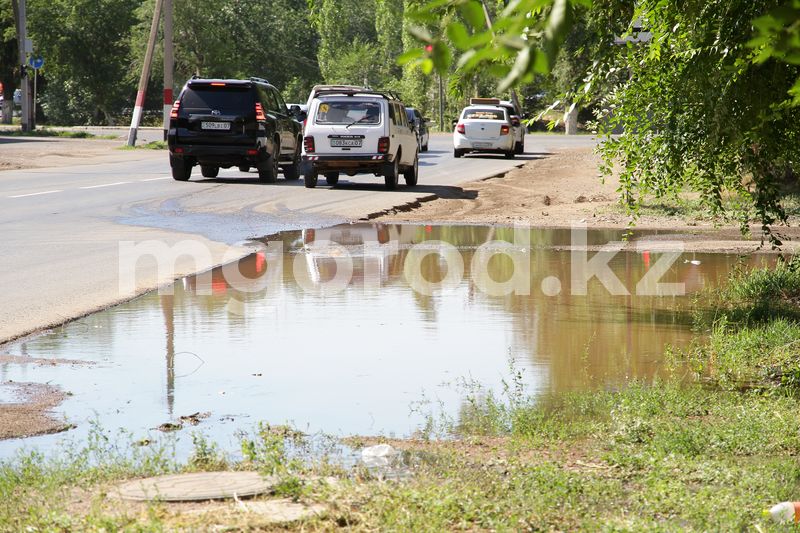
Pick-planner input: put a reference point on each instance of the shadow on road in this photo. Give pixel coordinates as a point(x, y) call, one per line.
point(8, 139)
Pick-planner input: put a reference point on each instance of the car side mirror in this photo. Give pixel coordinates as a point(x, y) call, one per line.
point(297, 113)
point(454, 123)
point(515, 121)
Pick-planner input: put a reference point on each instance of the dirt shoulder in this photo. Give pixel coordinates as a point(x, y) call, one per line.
point(564, 188)
point(31, 152)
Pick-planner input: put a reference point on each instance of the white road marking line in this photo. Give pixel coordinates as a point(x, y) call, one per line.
point(105, 185)
point(35, 194)
point(157, 179)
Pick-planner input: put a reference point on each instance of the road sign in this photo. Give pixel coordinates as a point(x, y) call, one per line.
point(36, 62)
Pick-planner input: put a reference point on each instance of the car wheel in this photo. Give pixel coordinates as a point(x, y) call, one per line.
point(181, 169)
point(332, 178)
point(390, 173)
point(268, 166)
point(209, 171)
point(412, 173)
point(510, 155)
point(292, 172)
point(310, 178)
point(519, 148)
point(458, 153)
point(244, 168)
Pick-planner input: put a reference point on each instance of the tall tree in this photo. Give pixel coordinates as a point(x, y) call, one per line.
point(87, 56)
point(343, 25)
point(389, 31)
point(9, 68)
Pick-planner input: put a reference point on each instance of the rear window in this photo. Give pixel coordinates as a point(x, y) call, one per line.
point(484, 114)
point(348, 112)
point(225, 99)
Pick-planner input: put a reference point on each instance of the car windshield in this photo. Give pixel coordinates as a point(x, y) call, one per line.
point(484, 114)
point(348, 112)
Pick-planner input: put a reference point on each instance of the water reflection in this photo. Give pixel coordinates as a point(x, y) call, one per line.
point(294, 333)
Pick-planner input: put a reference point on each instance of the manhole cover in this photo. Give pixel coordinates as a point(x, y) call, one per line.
point(196, 486)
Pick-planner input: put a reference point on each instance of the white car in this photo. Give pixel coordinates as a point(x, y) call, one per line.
point(484, 128)
point(358, 131)
point(515, 115)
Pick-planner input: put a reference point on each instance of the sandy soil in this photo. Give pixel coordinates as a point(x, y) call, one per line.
point(559, 190)
point(42, 152)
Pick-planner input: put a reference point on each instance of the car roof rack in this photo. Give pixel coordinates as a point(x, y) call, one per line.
point(389, 95)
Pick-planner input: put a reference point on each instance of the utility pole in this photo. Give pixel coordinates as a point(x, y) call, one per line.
point(441, 104)
point(169, 65)
point(148, 61)
point(24, 47)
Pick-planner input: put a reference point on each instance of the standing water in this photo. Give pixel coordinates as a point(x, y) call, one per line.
point(342, 330)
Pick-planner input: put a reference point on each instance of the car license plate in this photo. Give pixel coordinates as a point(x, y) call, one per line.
point(482, 145)
point(215, 125)
point(346, 143)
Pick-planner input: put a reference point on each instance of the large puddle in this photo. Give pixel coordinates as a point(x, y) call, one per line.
point(345, 337)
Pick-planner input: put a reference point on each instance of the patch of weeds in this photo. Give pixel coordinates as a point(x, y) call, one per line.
point(206, 456)
point(760, 294)
point(152, 145)
point(44, 132)
point(765, 355)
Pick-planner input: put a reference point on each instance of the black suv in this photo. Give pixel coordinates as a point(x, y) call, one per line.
point(223, 123)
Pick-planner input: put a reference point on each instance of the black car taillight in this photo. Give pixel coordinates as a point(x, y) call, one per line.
point(308, 144)
point(175, 108)
point(383, 145)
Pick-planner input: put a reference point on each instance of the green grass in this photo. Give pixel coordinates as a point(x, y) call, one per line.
point(152, 145)
point(657, 456)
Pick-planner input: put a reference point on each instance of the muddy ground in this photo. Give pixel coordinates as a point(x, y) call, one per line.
point(27, 409)
point(564, 188)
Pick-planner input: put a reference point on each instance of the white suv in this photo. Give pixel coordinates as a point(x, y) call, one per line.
point(359, 131)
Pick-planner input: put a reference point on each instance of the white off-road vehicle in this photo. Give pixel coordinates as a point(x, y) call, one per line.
point(359, 131)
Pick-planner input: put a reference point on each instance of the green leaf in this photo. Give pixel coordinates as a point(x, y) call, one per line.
point(442, 58)
point(472, 11)
point(520, 67)
point(420, 33)
point(410, 55)
point(458, 34)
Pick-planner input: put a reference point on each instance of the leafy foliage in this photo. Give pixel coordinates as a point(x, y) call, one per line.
point(696, 111)
point(521, 41)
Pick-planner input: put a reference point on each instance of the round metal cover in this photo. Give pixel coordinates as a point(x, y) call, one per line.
point(196, 487)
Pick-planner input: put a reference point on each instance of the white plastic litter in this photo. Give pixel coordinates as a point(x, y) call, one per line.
point(785, 512)
point(379, 456)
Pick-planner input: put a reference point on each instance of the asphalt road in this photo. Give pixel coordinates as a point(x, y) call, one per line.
point(62, 227)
